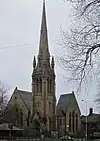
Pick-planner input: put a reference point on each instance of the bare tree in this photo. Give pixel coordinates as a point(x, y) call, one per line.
point(81, 44)
point(3, 96)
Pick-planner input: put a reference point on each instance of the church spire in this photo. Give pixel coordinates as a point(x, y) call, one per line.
point(44, 1)
point(43, 46)
point(43, 80)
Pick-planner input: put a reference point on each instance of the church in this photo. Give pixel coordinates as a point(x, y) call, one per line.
point(41, 103)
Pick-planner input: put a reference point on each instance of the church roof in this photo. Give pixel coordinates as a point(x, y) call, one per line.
point(26, 97)
point(63, 103)
point(91, 118)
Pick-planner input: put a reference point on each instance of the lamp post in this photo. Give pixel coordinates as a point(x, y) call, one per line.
point(10, 126)
point(86, 119)
point(67, 129)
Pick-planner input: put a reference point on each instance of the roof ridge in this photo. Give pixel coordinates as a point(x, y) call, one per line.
point(69, 93)
point(66, 94)
point(24, 91)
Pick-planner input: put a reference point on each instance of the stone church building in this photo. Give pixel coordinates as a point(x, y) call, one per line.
point(42, 100)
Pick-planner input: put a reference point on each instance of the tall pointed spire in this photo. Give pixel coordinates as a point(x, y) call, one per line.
point(43, 80)
point(43, 46)
point(44, 1)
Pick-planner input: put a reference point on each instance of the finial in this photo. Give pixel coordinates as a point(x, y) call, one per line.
point(52, 62)
point(15, 89)
point(34, 63)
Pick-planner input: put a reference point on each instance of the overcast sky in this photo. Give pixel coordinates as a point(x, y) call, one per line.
point(19, 40)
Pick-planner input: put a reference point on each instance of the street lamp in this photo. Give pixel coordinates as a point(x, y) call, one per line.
point(86, 119)
point(10, 126)
point(67, 129)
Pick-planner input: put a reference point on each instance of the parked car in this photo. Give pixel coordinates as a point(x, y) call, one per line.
point(65, 138)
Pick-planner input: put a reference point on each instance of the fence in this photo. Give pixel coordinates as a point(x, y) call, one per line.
point(25, 139)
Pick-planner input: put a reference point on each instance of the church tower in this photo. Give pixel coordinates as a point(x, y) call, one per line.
point(43, 80)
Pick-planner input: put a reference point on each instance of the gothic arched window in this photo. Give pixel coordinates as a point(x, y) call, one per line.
point(40, 85)
point(37, 83)
point(39, 62)
point(48, 85)
point(70, 122)
point(50, 123)
point(17, 116)
point(49, 106)
point(76, 122)
point(73, 123)
point(28, 118)
point(21, 118)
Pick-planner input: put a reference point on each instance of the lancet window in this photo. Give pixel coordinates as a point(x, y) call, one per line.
point(37, 86)
point(21, 118)
point(70, 122)
point(50, 123)
point(50, 106)
point(40, 85)
point(50, 85)
point(73, 117)
point(76, 122)
point(17, 116)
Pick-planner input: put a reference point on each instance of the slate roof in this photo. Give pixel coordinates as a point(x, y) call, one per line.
point(63, 103)
point(92, 118)
point(26, 97)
